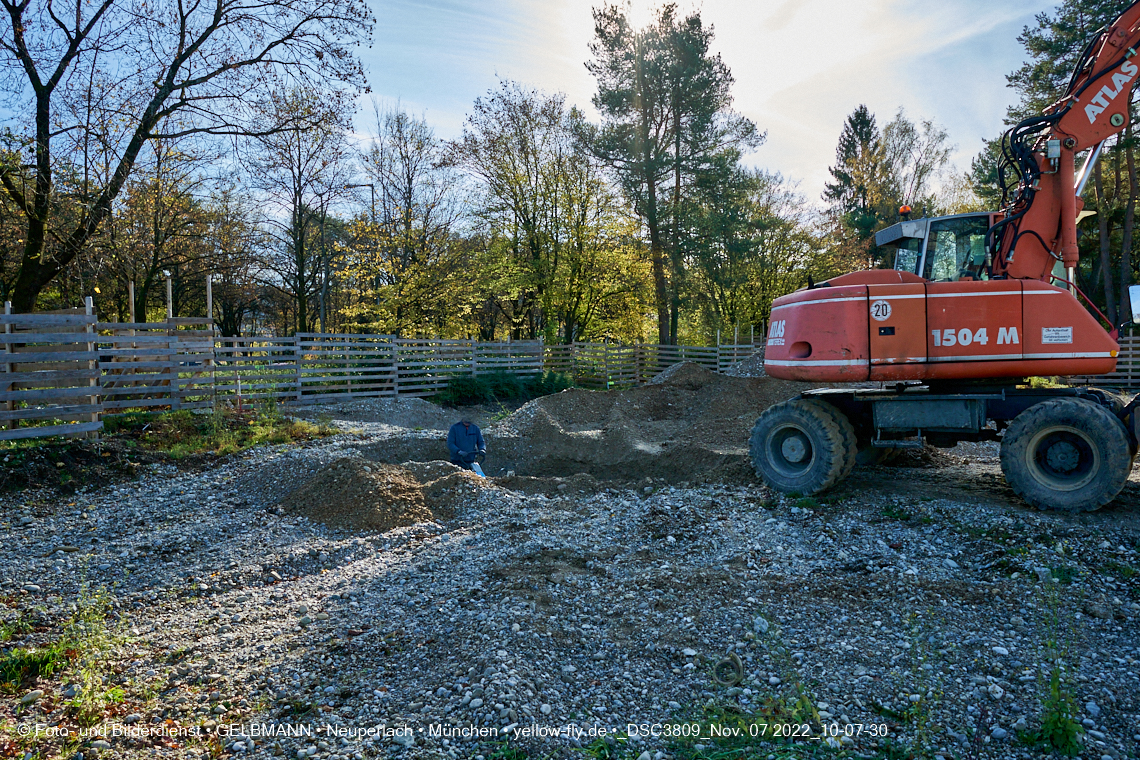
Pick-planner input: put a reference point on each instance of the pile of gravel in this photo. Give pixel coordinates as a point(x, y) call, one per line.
point(353, 493)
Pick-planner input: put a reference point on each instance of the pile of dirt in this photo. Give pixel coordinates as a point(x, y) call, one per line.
point(688, 425)
point(361, 495)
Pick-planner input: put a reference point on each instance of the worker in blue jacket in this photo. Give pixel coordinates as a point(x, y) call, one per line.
point(465, 441)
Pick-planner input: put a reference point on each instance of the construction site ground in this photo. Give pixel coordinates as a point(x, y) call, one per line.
point(360, 597)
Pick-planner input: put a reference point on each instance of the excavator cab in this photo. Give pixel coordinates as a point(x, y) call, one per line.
point(940, 249)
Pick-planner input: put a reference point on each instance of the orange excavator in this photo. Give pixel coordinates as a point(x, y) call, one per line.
point(975, 304)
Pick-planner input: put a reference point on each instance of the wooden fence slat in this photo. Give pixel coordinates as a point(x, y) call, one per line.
point(48, 430)
point(45, 320)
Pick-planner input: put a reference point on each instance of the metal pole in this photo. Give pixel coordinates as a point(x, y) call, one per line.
point(1086, 170)
point(169, 298)
point(210, 297)
point(131, 297)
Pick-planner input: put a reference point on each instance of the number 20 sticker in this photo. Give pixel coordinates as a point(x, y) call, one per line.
point(881, 310)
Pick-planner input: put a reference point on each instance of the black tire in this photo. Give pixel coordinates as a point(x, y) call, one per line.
point(850, 440)
point(802, 445)
point(1067, 454)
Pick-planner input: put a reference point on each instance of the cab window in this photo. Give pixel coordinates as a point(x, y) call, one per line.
point(955, 245)
point(906, 255)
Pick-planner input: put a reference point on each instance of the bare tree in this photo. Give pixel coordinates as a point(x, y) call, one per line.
point(237, 245)
point(105, 76)
point(302, 171)
point(416, 211)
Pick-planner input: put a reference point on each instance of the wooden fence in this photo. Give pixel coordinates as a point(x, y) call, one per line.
point(51, 374)
point(63, 372)
point(611, 365)
point(1127, 374)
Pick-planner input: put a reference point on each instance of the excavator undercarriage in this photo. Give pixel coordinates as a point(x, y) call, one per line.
point(1061, 448)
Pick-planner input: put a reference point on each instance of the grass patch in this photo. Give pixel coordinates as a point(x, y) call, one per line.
point(1064, 574)
point(465, 390)
point(807, 503)
point(82, 651)
point(21, 666)
point(895, 512)
point(14, 628)
point(505, 752)
point(184, 433)
point(1126, 572)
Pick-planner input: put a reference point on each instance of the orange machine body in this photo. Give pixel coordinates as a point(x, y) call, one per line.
point(972, 295)
point(885, 325)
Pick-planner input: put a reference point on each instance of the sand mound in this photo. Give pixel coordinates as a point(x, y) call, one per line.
point(361, 495)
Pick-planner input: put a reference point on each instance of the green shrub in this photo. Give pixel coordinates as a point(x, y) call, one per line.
point(548, 383)
point(1060, 729)
point(465, 390)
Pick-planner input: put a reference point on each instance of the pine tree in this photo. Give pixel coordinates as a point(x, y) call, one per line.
point(664, 99)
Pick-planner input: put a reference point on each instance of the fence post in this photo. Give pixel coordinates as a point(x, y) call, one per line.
point(92, 364)
point(212, 359)
point(297, 363)
point(396, 368)
point(474, 358)
point(171, 358)
point(10, 405)
point(606, 362)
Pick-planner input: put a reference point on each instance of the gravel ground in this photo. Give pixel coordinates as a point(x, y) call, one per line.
point(921, 606)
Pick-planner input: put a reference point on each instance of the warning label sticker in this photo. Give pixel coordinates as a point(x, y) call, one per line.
point(1056, 335)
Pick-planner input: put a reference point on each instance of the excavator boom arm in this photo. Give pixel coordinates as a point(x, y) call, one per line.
point(1039, 224)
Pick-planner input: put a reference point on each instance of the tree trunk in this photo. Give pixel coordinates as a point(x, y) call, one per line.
point(657, 260)
point(299, 255)
point(1105, 239)
point(678, 263)
point(1129, 225)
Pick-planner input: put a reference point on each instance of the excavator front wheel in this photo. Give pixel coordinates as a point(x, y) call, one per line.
point(803, 445)
point(1068, 453)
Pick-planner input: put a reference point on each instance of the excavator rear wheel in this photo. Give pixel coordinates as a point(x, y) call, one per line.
point(1068, 454)
point(803, 445)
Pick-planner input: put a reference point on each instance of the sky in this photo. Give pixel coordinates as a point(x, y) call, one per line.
point(801, 66)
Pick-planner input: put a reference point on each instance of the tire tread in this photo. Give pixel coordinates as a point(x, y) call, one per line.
point(1106, 428)
point(838, 441)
